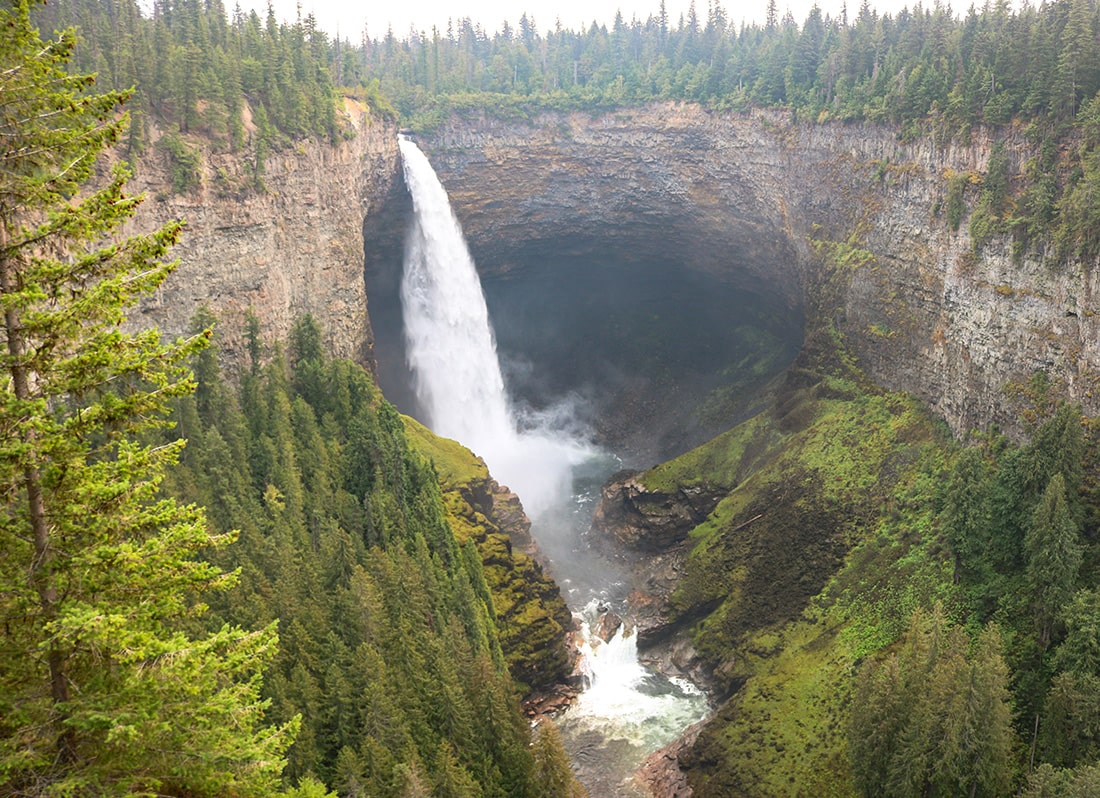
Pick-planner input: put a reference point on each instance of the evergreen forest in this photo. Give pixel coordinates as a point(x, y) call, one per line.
point(394, 645)
point(319, 625)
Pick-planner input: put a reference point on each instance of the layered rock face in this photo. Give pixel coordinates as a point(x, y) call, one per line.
point(619, 268)
point(294, 247)
point(741, 196)
point(724, 202)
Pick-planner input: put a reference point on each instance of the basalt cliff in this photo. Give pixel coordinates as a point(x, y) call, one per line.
point(290, 247)
point(741, 200)
point(751, 200)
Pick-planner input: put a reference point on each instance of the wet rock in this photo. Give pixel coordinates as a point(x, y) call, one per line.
point(608, 626)
point(661, 774)
point(650, 520)
point(550, 703)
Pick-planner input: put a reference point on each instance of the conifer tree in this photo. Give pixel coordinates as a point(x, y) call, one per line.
point(1053, 557)
point(933, 718)
point(103, 688)
point(553, 773)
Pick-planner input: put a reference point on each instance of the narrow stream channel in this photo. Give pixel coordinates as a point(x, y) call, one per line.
point(626, 710)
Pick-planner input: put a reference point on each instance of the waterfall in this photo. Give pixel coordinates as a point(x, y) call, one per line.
point(626, 710)
point(452, 354)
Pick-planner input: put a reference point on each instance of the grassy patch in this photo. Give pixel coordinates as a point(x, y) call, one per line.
point(455, 464)
point(784, 732)
point(718, 463)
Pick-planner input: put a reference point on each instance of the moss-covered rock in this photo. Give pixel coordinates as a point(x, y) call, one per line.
point(651, 519)
point(532, 618)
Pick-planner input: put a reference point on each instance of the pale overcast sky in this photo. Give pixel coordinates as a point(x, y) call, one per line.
point(350, 16)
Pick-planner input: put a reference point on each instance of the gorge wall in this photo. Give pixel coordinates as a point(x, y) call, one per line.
point(292, 248)
point(731, 231)
point(743, 196)
point(733, 202)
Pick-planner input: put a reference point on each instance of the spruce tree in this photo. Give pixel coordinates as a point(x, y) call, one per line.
point(106, 687)
point(933, 718)
point(1053, 557)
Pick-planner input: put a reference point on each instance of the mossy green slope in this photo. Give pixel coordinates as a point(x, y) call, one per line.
point(800, 570)
point(531, 616)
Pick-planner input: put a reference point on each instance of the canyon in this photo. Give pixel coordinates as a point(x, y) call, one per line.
point(746, 202)
point(676, 270)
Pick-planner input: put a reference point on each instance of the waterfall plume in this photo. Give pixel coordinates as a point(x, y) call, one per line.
point(452, 354)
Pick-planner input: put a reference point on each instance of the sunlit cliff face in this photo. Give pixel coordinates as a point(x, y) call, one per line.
point(660, 323)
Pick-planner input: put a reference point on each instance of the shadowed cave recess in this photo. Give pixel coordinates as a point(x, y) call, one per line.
point(656, 325)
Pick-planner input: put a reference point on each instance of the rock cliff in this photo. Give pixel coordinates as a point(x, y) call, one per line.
point(743, 196)
point(733, 198)
point(292, 248)
point(830, 223)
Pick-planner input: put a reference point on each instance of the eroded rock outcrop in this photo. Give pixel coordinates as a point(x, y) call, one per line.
point(531, 617)
point(649, 520)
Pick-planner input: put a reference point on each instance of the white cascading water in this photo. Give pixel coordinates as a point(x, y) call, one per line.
point(625, 708)
point(453, 358)
point(614, 676)
point(626, 711)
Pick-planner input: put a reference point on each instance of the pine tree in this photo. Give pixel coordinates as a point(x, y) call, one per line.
point(1072, 77)
point(1070, 728)
point(102, 688)
point(1053, 557)
point(553, 774)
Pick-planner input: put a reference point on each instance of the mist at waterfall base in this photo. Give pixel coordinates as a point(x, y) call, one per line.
point(546, 457)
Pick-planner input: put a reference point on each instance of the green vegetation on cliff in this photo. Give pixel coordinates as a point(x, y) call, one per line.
point(530, 614)
point(806, 482)
point(888, 613)
point(885, 611)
